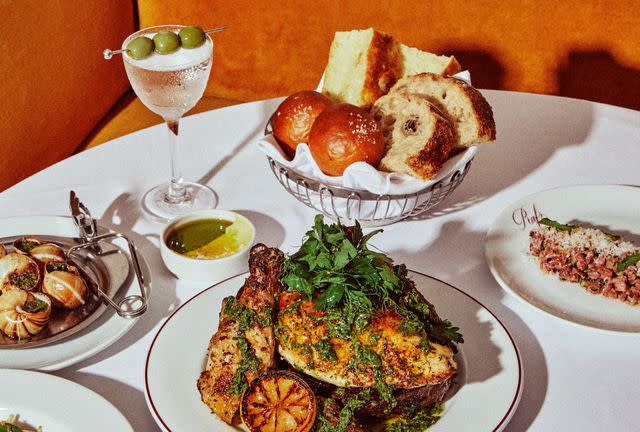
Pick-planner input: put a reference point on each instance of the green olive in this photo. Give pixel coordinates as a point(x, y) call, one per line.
point(140, 47)
point(192, 37)
point(166, 42)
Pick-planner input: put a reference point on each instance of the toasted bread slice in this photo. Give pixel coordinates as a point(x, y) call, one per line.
point(466, 108)
point(418, 138)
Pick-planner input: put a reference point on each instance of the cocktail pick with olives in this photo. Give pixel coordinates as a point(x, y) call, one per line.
point(163, 43)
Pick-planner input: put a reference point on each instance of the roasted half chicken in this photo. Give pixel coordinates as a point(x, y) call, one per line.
point(244, 344)
point(350, 323)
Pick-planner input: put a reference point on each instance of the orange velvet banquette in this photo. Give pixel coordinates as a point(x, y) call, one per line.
point(59, 96)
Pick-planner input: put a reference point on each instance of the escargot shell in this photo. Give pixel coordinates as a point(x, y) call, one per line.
point(48, 252)
point(24, 245)
point(63, 283)
point(23, 314)
point(18, 272)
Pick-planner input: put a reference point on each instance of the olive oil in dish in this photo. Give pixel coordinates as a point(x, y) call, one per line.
point(210, 238)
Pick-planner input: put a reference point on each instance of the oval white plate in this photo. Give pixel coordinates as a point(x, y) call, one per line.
point(56, 404)
point(91, 340)
point(489, 385)
point(615, 209)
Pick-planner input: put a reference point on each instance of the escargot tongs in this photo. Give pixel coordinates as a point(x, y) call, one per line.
point(130, 306)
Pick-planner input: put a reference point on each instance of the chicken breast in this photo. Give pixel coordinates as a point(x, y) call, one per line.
point(244, 344)
point(406, 361)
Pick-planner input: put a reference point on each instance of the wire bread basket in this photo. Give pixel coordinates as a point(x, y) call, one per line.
point(370, 209)
point(347, 205)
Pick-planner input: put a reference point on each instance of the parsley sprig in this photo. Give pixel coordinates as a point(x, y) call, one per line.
point(417, 420)
point(335, 268)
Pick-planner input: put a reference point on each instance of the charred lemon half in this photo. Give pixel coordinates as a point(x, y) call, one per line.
point(278, 402)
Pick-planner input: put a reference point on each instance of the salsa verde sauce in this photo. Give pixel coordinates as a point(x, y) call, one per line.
point(209, 238)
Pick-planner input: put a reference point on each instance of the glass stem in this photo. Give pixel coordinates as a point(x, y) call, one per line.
point(177, 192)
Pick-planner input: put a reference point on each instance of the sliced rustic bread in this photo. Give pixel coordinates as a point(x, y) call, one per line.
point(466, 108)
point(418, 138)
point(364, 64)
point(415, 61)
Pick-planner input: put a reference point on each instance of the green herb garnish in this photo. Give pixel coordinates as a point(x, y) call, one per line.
point(26, 281)
point(248, 363)
point(243, 315)
point(57, 266)
point(411, 328)
point(292, 308)
point(364, 357)
point(628, 262)
point(35, 305)
point(26, 245)
point(265, 319)
point(444, 331)
point(246, 318)
point(385, 391)
point(337, 324)
point(416, 421)
point(345, 416)
point(565, 227)
point(325, 348)
point(8, 427)
point(557, 225)
point(351, 283)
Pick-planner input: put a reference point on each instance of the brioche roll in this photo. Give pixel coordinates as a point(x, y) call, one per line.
point(294, 117)
point(343, 134)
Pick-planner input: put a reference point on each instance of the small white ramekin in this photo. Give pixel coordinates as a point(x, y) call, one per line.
point(214, 269)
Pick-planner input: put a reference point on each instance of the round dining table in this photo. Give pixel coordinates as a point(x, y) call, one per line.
point(574, 377)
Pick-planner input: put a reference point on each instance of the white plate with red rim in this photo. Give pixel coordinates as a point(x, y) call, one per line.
point(489, 381)
point(56, 404)
point(100, 334)
point(613, 208)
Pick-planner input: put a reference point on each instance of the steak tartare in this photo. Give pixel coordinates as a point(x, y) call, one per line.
point(600, 262)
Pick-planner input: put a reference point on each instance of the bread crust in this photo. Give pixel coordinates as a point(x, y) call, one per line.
point(479, 108)
point(418, 137)
point(453, 67)
point(383, 58)
point(428, 161)
point(383, 61)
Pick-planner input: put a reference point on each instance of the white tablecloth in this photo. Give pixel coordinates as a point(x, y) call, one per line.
point(575, 378)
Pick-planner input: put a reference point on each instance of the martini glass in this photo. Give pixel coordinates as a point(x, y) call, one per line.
point(170, 85)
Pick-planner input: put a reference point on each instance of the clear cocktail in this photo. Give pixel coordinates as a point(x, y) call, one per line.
point(170, 83)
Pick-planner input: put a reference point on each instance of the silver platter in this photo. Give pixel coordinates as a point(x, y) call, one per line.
point(105, 267)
